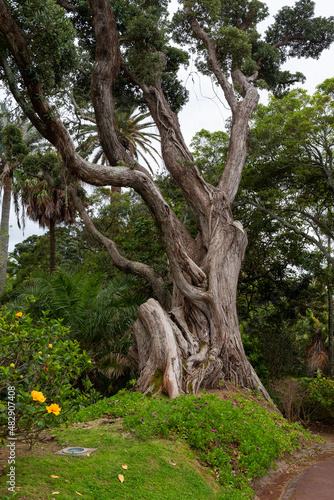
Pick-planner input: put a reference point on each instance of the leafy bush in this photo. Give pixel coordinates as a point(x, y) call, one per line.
point(320, 396)
point(39, 368)
point(306, 398)
point(237, 438)
point(99, 315)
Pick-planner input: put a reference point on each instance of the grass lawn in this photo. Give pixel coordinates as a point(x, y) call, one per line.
point(156, 469)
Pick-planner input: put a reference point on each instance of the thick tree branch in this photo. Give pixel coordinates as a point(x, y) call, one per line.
point(105, 71)
point(212, 57)
point(177, 157)
point(237, 151)
point(25, 106)
point(67, 6)
point(241, 111)
point(123, 264)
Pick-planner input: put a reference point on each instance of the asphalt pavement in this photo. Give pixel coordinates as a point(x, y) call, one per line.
point(316, 482)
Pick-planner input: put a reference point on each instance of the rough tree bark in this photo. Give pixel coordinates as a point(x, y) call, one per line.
point(196, 341)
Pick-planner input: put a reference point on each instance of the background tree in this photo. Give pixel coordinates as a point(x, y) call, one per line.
point(191, 338)
point(290, 178)
point(14, 148)
point(46, 204)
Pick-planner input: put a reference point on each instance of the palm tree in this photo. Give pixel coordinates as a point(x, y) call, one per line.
point(132, 131)
point(47, 205)
point(100, 314)
point(6, 184)
point(16, 136)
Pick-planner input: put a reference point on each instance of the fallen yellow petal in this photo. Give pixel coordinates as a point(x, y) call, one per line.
point(55, 493)
point(54, 477)
point(121, 478)
point(87, 454)
point(124, 467)
point(78, 493)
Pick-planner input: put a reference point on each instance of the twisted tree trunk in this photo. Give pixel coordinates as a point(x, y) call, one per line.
point(197, 343)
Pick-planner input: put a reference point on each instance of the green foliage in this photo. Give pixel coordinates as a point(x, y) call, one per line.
point(15, 147)
point(38, 356)
point(238, 438)
point(320, 396)
point(299, 19)
point(308, 399)
point(99, 313)
point(94, 309)
point(210, 153)
point(270, 344)
point(232, 24)
point(51, 40)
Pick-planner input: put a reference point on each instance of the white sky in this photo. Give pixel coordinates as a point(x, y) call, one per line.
point(206, 107)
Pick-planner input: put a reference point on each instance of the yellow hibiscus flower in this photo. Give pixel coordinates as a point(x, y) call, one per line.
point(37, 396)
point(54, 408)
point(18, 315)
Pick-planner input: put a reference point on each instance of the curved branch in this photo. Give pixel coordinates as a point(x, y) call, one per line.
point(241, 111)
point(67, 6)
point(26, 107)
point(177, 157)
point(105, 71)
point(123, 264)
point(212, 57)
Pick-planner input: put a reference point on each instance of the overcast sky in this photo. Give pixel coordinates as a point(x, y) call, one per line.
point(207, 108)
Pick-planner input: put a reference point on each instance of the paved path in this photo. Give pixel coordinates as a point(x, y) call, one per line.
point(315, 483)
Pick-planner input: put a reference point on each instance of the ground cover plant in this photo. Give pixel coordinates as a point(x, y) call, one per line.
point(193, 447)
point(237, 438)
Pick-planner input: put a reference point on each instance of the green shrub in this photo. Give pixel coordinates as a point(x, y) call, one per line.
point(39, 368)
point(319, 397)
point(305, 398)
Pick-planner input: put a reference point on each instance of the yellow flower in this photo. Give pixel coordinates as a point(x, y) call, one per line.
point(40, 352)
point(50, 345)
point(18, 315)
point(37, 396)
point(54, 408)
point(12, 365)
point(21, 376)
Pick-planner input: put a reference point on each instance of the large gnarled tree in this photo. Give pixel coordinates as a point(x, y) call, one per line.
point(188, 336)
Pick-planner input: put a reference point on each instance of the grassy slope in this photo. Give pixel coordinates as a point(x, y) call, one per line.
point(159, 441)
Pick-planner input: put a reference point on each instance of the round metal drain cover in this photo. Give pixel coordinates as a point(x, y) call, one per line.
point(75, 451)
